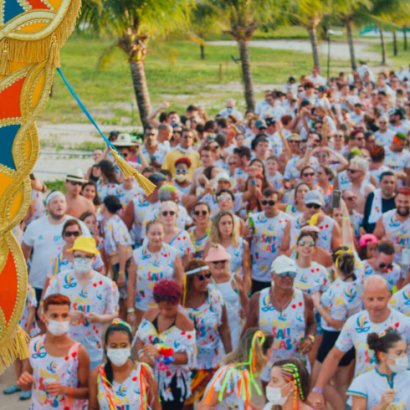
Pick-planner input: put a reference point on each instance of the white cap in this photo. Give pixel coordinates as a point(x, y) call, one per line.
point(283, 264)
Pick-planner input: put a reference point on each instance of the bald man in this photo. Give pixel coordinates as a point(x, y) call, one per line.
point(377, 317)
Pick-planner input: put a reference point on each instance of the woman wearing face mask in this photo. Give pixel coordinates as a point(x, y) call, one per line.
point(231, 288)
point(225, 231)
point(173, 235)
point(288, 387)
point(64, 261)
point(153, 261)
point(117, 246)
point(94, 298)
point(225, 391)
point(386, 386)
point(166, 340)
point(181, 180)
point(121, 382)
point(205, 307)
point(58, 366)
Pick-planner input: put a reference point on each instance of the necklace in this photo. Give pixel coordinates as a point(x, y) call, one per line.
point(281, 308)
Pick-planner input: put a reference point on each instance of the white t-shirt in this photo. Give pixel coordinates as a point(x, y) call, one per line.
point(47, 242)
point(374, 384)
point(354, 334)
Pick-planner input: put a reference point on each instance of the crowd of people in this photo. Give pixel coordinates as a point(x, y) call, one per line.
point(268, 269)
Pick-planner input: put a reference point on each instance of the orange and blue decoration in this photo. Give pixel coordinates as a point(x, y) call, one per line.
point(31, 35)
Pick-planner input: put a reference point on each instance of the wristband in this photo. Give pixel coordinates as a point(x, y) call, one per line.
point(130, 310)
point(121, 273)
point(317, 390)
point(311, 338)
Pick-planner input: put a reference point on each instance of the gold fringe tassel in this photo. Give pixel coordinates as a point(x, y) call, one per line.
point(128, 171)
point(4, 58)
point(35, 51)
point(15, 348)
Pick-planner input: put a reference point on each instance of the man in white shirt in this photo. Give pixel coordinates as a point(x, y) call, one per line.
point(316, 78)
point(231, 110)
point(384, 135)
point(42, 240)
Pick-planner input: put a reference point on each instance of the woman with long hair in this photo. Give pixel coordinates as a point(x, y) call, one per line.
point(166, 341)
point(173, 234)
point(297, 208)
point(89, 191)
point(122, 382)
point(341, 300)
point(201, 230)
point(386, 386)
point(108, 183)
point(205, 307)
point(231, 288)
point(288, 387)
point(153, 261)
point(239, 368)
point(226, 232)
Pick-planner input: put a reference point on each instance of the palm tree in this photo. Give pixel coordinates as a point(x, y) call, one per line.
point(243, 17)
point(309, 14)
point(347, 11)
point(132, 23)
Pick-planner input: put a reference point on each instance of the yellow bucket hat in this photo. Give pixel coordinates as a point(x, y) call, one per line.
point(85, 244)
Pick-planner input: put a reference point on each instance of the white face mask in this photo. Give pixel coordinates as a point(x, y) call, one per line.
point(119, 357)
point(274, 396)
point(57, 328)
point(82, 265)
point(180, 177)
point(400, 365)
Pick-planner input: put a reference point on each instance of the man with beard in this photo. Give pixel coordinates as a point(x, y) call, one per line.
point(380, 201)
point(398, 158)
point(153, 151)
point(43, 241)
point(394, 225)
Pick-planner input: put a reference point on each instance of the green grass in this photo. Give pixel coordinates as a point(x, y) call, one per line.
point(403, 57)
point(175, 73)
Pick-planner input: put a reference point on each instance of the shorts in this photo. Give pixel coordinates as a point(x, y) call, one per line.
point(115, 271)
point(319, 330)
point(328, 342)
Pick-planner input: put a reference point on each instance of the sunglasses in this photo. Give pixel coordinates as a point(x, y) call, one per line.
point(166, 213)
point(310, 244)
point(264, 202)
point(231, 163)
point(202, 277)
point(181, 171)
point(384, 266)
point(224, 198)
point(352, 171)
point(218, 263)
point(308, 174)
point(72, 233)
point(284, 274)
point(203, 213)
point(83, 256)
point(359, 139)
point(187, 137)
point(152, 134)
point(75, 183)
point(294, 141)
point(315, 206)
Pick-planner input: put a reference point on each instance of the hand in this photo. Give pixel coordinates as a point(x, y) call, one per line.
point(151, 350)
point(164, 105)
point(316, 400)
point(25, 381)
point(93, 317)
point(387, 398)
point(77, 316)
point(55, 389)
point(305, 346)
point(121, 280)
point(132, 319)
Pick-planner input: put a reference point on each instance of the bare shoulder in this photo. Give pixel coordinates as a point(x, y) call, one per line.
point(183, 322)
point(151, 314)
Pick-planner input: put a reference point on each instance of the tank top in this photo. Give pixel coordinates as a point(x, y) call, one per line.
point(151, 268)
point(236, 257)
point(49, 369)
point(230, 295)
point(397, 232)
point(128, 395)
point(287, 326)
point(198, 243)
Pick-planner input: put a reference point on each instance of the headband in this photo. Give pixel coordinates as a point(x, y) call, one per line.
point(196, 270)
point(52, 195)
point(341, 252)
point(118, 321)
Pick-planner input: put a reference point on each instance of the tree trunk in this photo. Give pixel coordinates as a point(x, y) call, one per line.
point(383, 46)
point(139, 81)
point(246, 75)
point(395, 50)
point(202, 51)
point(315, 47)
point(351, 43)
point(405, 38)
